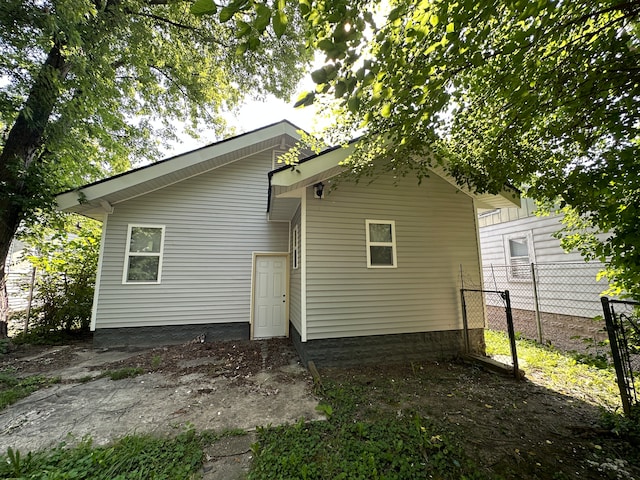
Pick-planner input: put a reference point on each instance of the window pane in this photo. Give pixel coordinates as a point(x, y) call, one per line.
point(144, 239)
point(518, 247)
point(381, 255)
point(380, 232)
point(143, 269)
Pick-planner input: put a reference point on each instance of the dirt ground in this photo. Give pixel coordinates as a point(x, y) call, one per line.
point(504, 425)
point(208, 386)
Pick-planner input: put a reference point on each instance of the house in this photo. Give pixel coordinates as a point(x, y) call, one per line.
point(555, 294)
point(512, 239)
point(224, 241)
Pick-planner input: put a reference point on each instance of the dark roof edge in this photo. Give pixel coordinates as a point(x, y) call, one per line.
point(137, 169)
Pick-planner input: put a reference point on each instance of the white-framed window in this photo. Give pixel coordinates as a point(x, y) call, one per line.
point(143, 254)
point(518, 249)
point(295, 249)
point(381, 243)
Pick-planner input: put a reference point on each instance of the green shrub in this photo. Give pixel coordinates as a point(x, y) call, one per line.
point(66, 259)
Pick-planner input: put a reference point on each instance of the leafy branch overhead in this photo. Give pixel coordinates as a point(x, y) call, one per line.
point(90, 88)
point(544, 95)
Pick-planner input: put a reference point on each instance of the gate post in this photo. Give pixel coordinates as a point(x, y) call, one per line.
point(612, 328)
point(512, 334)
point(536, 303)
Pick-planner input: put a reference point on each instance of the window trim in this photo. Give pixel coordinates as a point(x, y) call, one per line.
point(295, 251)
point(391, 244)
point(128, 254)
point(509, 258)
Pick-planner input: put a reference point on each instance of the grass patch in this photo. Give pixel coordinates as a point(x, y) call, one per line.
point(13, 388)
point(559, 371)
point(358, 442)
point(141, 456)
point(122, 373)
point(135, 456)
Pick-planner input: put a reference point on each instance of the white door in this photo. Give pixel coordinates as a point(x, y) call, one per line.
point(270, 296)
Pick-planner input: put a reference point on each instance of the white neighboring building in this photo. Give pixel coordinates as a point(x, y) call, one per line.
point(18, 273)
point(512, 239)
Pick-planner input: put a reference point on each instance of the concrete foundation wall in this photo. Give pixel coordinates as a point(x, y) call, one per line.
point(387, 349)
point(168, 335)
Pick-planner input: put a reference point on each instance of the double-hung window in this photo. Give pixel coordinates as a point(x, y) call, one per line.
point(381, 243)
point(519, 252)
point(143, 255)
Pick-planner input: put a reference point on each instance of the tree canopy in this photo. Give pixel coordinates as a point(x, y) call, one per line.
point(541, 94)
point(88, 87)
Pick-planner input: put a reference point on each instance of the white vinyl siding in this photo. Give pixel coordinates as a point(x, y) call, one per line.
point(565, 283)
point(435, 234)
point(295, 280)
point(213, 224)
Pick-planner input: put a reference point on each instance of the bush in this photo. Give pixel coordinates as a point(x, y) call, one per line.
point(66, 259)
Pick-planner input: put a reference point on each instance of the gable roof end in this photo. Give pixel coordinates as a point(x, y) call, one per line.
point(96, 199)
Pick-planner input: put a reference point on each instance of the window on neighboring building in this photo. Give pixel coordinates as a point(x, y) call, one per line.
point(519, 249)
point(381, 244)
point(143, 256)
point(296, 247)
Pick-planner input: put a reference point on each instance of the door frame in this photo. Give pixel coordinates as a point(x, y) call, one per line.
point(255, 256)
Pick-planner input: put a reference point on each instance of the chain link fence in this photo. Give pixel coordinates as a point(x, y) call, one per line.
point(552, 303)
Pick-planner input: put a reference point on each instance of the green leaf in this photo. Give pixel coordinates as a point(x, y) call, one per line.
point(305, 99)
point(319, 76)
point(242, 29)
point(263, 17)
point(341, 89)
point(227, 13)
point(280, 23)
point(203, 7)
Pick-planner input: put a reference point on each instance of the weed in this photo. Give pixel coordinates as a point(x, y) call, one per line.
point(127, 372)
point(353, 445)
point(5, 345)
point(564, 372)
point(156, 361)
point(142, 456)
point(13, 388)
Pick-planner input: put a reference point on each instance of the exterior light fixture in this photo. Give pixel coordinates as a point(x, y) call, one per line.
point(318, 190)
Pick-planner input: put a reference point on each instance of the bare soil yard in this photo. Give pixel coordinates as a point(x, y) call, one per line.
point(517, 429)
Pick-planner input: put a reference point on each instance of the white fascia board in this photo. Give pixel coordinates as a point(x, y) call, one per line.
point(311, 168)
point(506, 198)
point(67, 201)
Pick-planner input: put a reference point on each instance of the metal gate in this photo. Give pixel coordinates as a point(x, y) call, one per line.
point(474, 313)
point(623, 327)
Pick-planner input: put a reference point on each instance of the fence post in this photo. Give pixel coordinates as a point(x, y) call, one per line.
point(512, 334)
point(465, 322)
point(535, 302)
point(612, 328)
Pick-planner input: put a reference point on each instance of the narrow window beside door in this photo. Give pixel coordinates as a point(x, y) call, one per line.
point(143, 255)
point(381, 243)
point(296, 247)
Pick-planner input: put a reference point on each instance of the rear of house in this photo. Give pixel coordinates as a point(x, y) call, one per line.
point(218, 242)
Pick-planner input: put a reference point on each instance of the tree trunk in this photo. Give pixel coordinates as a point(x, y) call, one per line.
point(21, 150)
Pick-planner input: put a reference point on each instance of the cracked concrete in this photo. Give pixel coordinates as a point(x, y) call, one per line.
point(158, 403)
